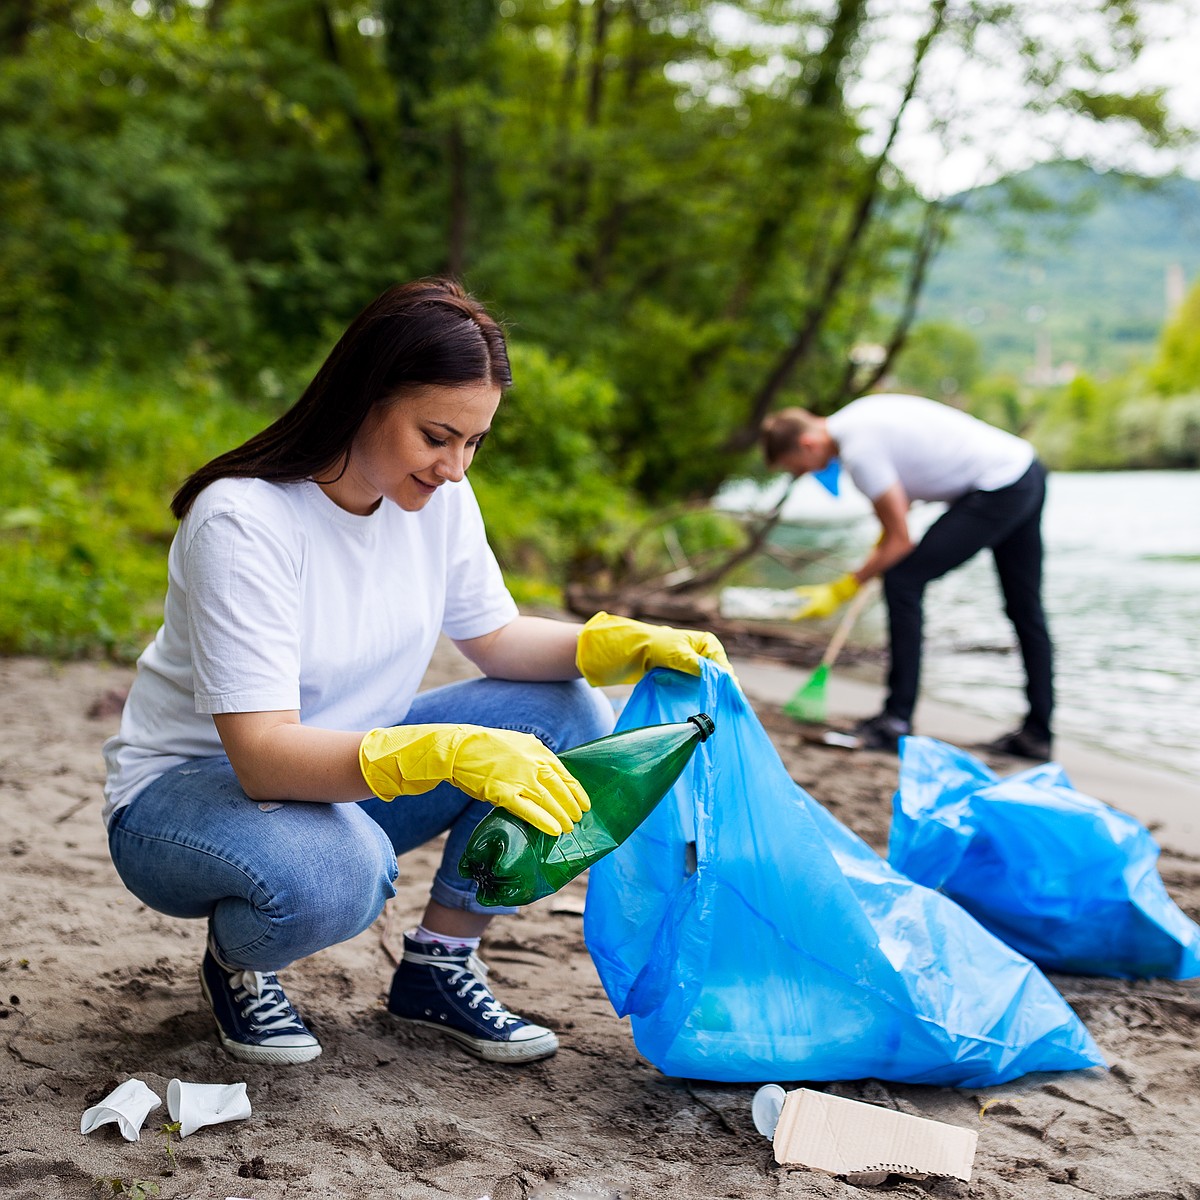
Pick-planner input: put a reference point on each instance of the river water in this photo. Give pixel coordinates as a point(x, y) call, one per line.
point(1122, 595)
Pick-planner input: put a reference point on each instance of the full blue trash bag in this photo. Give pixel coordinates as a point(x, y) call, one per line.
point(1063, 878)
point(783, 948)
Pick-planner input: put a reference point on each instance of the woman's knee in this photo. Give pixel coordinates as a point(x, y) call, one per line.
point(329, 888)
point(352, 870)
point(587, 713)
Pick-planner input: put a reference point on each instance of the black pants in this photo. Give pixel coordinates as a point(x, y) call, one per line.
point(1008, 522)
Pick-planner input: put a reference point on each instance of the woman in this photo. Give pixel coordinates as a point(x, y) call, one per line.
point(274, 756)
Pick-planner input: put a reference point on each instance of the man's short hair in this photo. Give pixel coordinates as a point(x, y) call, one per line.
point(780, 431)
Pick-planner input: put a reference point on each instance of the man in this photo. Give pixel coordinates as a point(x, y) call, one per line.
point(898, 449)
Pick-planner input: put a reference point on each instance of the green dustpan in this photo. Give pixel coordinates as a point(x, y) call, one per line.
point(807, 705)
point(808, 702)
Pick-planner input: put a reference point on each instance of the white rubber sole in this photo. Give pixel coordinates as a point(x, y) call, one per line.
point(270, 1056)
point(531, 1050)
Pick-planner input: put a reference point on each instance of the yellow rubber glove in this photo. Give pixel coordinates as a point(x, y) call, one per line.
point(824, 599)
point(614, 650)
point(511, 770)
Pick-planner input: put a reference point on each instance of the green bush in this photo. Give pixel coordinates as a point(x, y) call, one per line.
point(555, 501)
point(1161, 433)
point(84, 517)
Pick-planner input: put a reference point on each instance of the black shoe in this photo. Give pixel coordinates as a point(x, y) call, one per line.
point(882, 732)
point(443, 987)
point(255, 1021)
point(1022, 744)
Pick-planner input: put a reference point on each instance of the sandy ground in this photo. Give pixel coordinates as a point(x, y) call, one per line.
point(95, 989)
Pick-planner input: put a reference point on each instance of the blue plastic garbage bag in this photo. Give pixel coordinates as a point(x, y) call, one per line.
point(1059, 876)
point(784, 948)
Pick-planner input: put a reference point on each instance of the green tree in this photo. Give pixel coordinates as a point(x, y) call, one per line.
point(1176, 369)
point(700, 220)
point(939, 359)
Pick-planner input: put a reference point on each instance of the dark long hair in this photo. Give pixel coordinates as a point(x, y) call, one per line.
point(429, 332)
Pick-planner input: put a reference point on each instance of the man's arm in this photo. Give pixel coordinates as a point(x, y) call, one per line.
point(894, 542)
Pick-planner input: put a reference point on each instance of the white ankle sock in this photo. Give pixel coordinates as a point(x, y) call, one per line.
point(421, 934)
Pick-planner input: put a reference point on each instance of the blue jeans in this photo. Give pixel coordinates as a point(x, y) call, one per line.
point(279, 881)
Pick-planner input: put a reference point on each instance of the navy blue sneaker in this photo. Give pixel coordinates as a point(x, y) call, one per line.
point(255, 1020)
point(443, 987)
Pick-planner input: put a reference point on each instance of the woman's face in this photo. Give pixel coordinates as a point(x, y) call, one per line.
point(406, 450)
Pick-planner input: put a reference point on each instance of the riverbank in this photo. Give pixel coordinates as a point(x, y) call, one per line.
point(94, 989)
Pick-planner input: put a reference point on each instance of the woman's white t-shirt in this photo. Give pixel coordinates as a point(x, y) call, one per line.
point(277, 599)
point(933, 451)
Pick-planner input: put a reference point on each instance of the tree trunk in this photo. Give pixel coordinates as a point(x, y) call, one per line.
point(372, 165)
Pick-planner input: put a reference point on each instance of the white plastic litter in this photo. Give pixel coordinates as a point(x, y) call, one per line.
point(760, 604)
point(195, 1105)
point(766, 1107)
point(127, 1105)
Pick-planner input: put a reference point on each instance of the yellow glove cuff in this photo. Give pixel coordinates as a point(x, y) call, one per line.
point(425, 746)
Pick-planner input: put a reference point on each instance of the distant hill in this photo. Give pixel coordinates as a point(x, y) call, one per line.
point(1080, 278)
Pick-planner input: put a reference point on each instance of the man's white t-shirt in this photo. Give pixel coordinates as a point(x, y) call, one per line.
point(935, 452)
point(277, 599)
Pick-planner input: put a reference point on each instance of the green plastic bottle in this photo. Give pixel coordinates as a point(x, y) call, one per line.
point(625, 775)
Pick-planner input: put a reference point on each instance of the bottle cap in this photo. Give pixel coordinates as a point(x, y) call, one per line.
point(704, 723)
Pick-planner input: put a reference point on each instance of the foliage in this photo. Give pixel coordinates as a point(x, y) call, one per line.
point(1148, 417)
point(1000, 400)
point(1176, 368)
point(84, 520)
point(940, 360)
point(1160, 433)
point(556, 500)
point(84, 505)
point(686, 221)
point(1076, 426)
point(1073, 257)
point(166, 1129)
point(133, 1189)
point(642, 185)
point(1090, 425)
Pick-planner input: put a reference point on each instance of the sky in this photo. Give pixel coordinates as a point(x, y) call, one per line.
point(984, 134)
point(1000, 143)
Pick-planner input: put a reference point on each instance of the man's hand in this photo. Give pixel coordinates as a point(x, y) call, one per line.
point(824, 599)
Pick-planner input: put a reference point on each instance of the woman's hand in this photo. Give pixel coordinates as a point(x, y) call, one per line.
point(614, 650)
point(511, 770)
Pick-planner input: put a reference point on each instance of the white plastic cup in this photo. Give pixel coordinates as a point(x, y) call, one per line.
point(127, 1104)
point(766, 1107)
point(195, 1105)
point(760, 604)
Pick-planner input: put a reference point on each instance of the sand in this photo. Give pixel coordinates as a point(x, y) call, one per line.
point(95, 989)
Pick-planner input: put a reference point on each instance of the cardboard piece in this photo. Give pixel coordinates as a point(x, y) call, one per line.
point(848, 1137)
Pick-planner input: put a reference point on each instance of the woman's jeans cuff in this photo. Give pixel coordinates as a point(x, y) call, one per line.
point(461, 895)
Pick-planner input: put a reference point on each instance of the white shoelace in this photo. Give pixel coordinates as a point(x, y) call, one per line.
point(477, 993)
point(263, 1001)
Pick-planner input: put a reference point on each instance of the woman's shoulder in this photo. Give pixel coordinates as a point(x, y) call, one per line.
point(255, 508)
point(248, 498)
